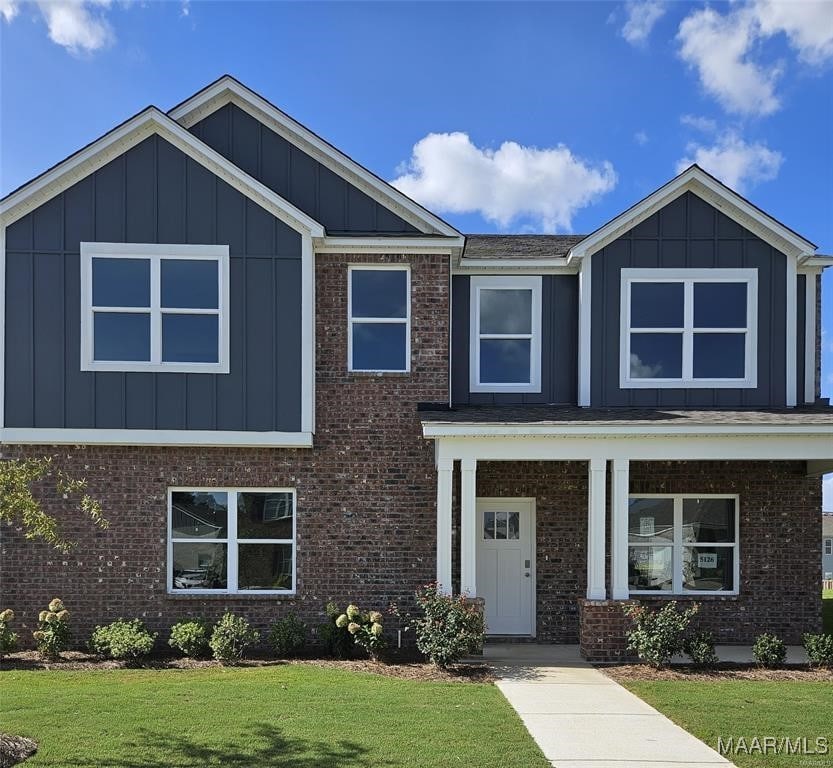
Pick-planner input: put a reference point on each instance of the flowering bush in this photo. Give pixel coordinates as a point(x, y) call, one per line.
point(122, 639)
point(769, 650)
point(190, 637)
point(231, 636)
point(288, 635)
point(658, 635)
point(449, 628)
point(52, 635)
point(8, 639)
point(365, 628)
point(819, 649)
point(337, 641)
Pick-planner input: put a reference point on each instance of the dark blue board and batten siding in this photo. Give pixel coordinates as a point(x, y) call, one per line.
point(152, 194)
point(688, 232)
point(294, 175)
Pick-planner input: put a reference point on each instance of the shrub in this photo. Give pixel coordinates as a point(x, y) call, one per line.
point(288, 635)
point(8, 639)
point(231, 636)
point(123, 639)
point(658, 635)
point(190, 637)
point(701, 649)
point(449, 627)
point(337, 641)
point(769, 650)
point(365, 629)
point(819, 649)
point(52, 635)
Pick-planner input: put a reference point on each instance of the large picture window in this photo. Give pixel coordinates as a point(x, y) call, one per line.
point(684, 544)
point(379, 319)
point(148, 307)
point(223, 540)
point(689, 328)
point(505, 344)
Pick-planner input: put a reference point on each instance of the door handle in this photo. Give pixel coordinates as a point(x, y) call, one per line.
point(527, 575)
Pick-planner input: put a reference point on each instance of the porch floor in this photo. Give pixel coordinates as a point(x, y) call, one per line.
point(582, 719)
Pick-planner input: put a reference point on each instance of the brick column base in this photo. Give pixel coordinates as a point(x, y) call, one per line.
point(602, 628)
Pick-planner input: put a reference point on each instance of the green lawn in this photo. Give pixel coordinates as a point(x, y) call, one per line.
point(827, 610)
point(747, 708)
point(287, 715)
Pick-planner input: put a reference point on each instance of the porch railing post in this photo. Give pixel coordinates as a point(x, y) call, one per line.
point(445, 470)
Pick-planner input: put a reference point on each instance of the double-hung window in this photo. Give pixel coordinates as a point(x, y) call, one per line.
point(505, 344)
point(224, 540)
point(147, 307)
point(828, 546)
point(685, 544)
point(689, 328)
point(379, 318)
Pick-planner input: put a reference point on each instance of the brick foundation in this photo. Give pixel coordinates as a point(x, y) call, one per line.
point(603, 625)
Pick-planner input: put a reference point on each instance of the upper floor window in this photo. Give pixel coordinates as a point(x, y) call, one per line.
point(379, 318)
point(505, 344)
point(147, 307)
point(828, 546)
point(689, 328)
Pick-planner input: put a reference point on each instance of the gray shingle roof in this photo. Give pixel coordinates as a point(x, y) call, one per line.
point(519, 246)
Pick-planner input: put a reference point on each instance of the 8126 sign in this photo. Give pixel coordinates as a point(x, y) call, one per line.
point(707, 560)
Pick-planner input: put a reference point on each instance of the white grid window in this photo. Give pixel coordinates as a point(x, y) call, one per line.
point(147, 307)
point(689, 328)
point(231, 540)
point(828, 546)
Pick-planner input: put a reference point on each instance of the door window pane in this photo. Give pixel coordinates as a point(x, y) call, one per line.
point(190, 338)
point(650, 568)
point(505, 361)
point(199, 515)
point(379, 346)
point(121, 282)
point(720, 305)
point(199, 565)
point(265, 515)
point(121, 336)
point(506, 310)
point(513, 526)
point(708, 520)
point(657, 305)
point(656, 355)
point(264, 566)
point(708, 568)
point(488, 525)
point(379, 293)
point(719, 355)
point(190, 284)
point(650, 521)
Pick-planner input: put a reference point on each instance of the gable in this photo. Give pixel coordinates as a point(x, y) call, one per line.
point(294, 175)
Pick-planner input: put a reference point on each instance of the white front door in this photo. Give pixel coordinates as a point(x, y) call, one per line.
point(506, 564)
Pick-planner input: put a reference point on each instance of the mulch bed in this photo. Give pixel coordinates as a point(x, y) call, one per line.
point(722, 672)
point(399, 668)
point(15, 749)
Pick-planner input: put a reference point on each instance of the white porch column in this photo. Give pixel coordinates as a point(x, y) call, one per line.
point(596, 530)
point(468, 527)
point(445, 471)
point(619, 529)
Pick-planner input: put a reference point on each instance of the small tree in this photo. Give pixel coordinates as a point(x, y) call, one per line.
point(19, 506)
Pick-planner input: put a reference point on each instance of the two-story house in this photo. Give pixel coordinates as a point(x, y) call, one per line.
point(287, 382)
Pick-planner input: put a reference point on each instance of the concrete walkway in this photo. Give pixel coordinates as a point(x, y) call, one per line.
point(582, 719)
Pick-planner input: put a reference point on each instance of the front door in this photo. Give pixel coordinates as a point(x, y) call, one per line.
point(506, 564)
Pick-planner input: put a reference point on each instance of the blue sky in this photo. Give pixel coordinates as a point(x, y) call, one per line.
point(498, 116)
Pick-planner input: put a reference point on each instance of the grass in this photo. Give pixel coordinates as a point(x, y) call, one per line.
point(827, 610)
point(747, 708)
point(287, 715)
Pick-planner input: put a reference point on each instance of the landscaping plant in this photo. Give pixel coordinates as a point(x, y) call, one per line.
point(288, 635)
point(819, 649)
point(365, 628)
point(700, 648)
point(191, 637)
point(769, 650)
point(52, 635)
point(659, 635)
point(230, 638)
point(337, 641)
point(123, 639)
point(8, 639)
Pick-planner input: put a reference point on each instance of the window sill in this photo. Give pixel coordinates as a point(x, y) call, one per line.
point(698, 596)
point(378, 374)
point(230, 595)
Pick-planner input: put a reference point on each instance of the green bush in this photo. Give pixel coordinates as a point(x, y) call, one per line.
point(123, 639)
point(769, 650)
point(8, 639)
point(230, 638)
point(819, 649)
point(449, 627)
point(190, 637)
point(288, 635)
point(337, 641)
point(658, 635)
point(52, 635)
point(700, 648)
point(365, 629)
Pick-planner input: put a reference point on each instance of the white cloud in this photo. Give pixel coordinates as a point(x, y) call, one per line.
point(447, 172)
point(641, 138)
point(642, 16)
point(808, 25)
point(185, 8)
point(8, 9)
point(80, 27)
point(827, 493)
point(698, 123)
point(735, 162)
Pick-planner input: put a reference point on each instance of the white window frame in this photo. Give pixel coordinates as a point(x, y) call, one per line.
point(828, 547)
point(406, 321)
point(478, 283)
point(677, 546)
point(154, 253)
point(688, 277)
point(231, 541)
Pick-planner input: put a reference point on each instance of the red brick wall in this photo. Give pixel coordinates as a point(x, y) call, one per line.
point(366, 493)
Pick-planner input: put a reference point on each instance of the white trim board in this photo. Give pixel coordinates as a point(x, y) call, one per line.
point(446, 246)
point(228, 90)
point(161, 437)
